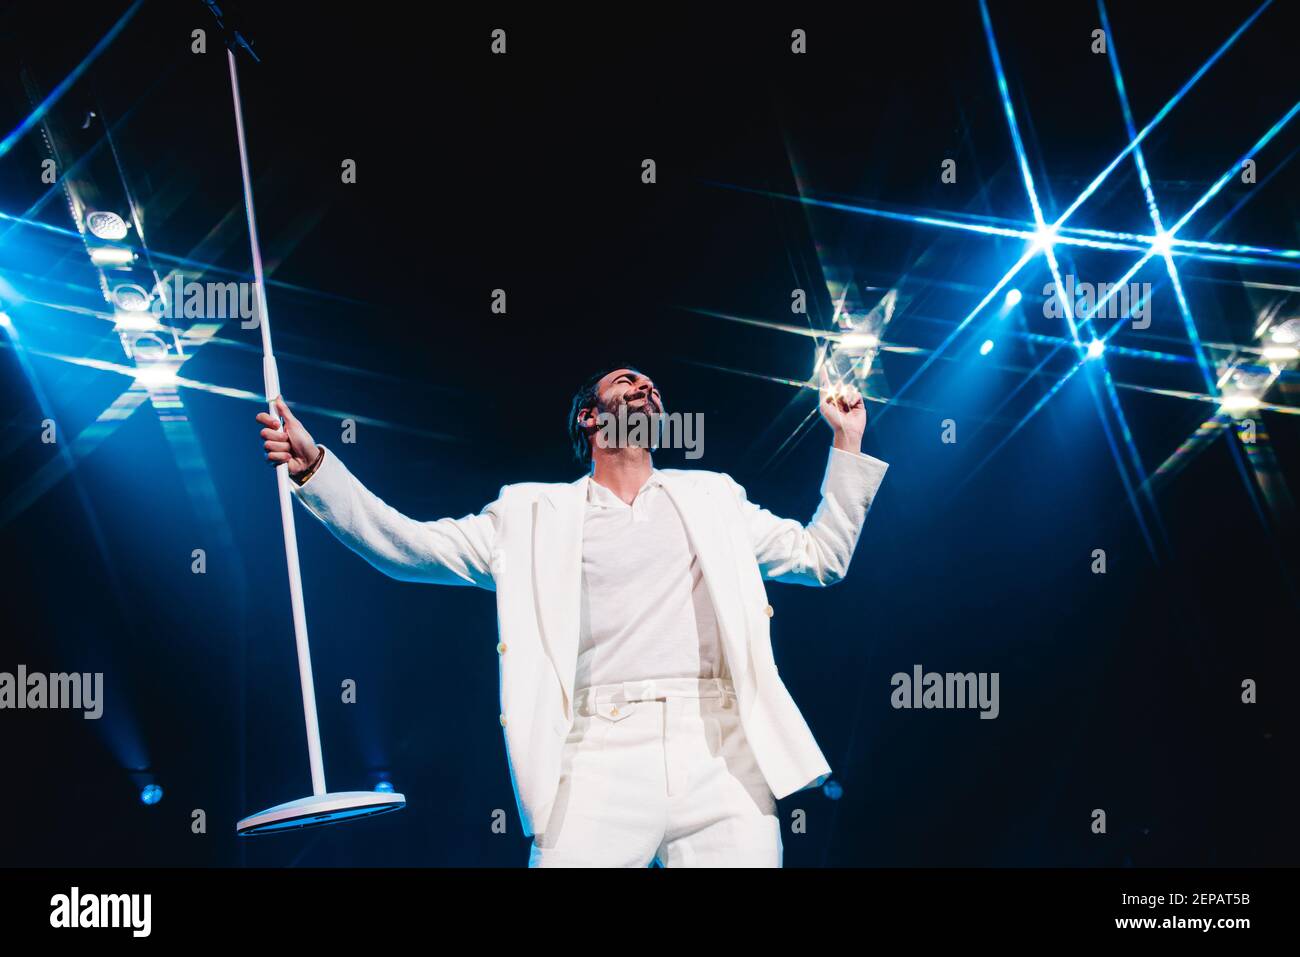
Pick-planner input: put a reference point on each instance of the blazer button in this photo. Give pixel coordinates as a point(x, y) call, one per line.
point(503, 721)
point(768, 610)
point(501, 647)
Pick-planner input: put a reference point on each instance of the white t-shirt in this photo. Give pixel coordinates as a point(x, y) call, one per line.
point(646, 609)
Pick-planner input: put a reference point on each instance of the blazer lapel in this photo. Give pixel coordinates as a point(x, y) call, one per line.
point(557, 571)
point(707, 537)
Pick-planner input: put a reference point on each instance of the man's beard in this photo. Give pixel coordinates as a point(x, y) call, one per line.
point(634, 424)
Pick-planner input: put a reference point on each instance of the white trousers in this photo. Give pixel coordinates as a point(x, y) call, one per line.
point(659, 770)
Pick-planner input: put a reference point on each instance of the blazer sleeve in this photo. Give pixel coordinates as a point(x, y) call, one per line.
point(817, 553)
point(448, 551)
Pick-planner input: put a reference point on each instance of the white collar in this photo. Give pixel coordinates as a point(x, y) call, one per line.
point(603, 497)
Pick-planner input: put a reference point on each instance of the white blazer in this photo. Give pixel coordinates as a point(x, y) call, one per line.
point(527, 547)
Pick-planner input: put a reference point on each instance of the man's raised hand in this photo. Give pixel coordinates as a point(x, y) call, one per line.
point(291, 444)
point(844, 410)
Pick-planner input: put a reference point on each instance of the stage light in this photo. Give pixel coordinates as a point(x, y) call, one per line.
point(987, 347)
point(1013, 298)
point(1095, 348)
point(858, 340)
point(156, 376)
point(833, 790)
point(151, 794)
point(5, 321)
point(1044, 238)
point(1163, 244)
point(131, 297)
point(106, 225)
point(134, 322)
point(112, 256)
point(1281, 353)
point(1239, 402)
point(1287, 332)
point(385, 787)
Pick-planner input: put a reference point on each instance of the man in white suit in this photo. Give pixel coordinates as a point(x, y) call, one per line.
point(643, 715)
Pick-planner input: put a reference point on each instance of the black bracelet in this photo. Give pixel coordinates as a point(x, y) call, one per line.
point(320, 457)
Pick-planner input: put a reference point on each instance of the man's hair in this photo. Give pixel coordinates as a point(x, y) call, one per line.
point(587, 397)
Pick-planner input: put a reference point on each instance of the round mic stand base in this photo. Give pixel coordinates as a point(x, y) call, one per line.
point(320, 809)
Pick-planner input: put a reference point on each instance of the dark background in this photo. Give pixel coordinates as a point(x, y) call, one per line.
point(1118, 691)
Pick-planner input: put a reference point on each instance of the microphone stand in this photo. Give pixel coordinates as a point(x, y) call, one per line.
point(322, 807)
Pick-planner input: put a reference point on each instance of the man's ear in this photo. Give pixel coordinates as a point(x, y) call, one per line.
point(587, 417)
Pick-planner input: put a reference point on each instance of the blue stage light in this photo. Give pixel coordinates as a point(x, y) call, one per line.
point(156, 375)
point(131, 297)
point(106, 225)
point(1163, 243)
point(384, 787)
point(1044, 238)
point(987, 347)
point(151, 794)
point(1095, 348)
point(1013, 298)
point(111, 256)
point(1238, 402)
point(833, 790)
